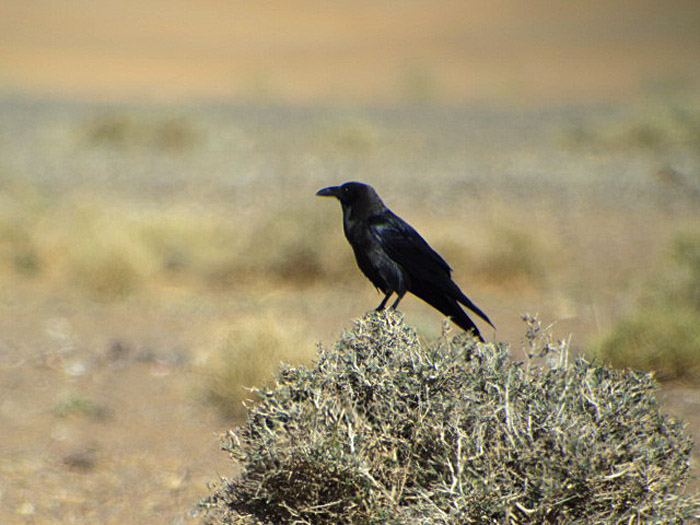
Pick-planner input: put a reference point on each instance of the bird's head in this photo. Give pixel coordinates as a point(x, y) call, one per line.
point(352, 194)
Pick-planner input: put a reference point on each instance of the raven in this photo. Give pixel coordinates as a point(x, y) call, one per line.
point(395, 258)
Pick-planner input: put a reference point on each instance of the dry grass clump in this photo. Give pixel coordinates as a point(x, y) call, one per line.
point(297, 245)
point(662, 338)
point(104, 258)
point(385, 429)
point(515, 257)
point(111, 250)
point(127, 129)
point(248, 355)
point(21, 207)
point(657, 125)
point(663, 333)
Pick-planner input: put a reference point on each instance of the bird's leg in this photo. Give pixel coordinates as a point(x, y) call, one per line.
point(400, 295)
point(383, 303)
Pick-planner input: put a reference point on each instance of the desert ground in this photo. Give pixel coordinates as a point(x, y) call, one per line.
point(161, 245)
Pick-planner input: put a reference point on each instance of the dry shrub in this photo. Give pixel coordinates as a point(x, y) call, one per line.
point(515, 257)
point(383, 429)
point(110, 250)
point(664, 338)
point(101, 250)
point(655, 125)
point(685, 254)
point(248, 355)
point(663, 333)
point(189, 243)
point(296, 245)
point(21, 207)
point(87, 242)
point(129, 129)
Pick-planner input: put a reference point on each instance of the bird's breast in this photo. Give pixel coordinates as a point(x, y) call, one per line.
point(372, 260)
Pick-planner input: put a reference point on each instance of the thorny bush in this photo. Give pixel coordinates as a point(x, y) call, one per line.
point(386, 429)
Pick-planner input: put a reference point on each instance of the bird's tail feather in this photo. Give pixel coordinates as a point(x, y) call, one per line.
point(474, 308)
point(449, 307)
point(461, 319)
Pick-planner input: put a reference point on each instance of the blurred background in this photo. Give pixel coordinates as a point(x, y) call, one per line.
point(161, 246)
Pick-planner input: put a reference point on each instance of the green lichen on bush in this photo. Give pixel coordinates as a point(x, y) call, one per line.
point(386, 429)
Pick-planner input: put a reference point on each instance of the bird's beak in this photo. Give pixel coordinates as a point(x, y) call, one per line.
point(331, 191)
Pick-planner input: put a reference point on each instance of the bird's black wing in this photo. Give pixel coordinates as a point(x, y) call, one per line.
point(406, 247)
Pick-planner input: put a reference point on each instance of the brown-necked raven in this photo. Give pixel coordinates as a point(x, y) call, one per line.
point(396, 258)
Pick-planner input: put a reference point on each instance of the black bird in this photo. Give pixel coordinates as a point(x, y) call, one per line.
point(396, 258)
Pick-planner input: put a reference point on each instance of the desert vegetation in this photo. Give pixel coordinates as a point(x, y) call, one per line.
point(662, 333)
point(158, 263)
point(162, 253)
point(385, 429)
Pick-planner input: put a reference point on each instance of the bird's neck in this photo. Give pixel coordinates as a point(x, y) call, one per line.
point(356, 223)
point(362, 211)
